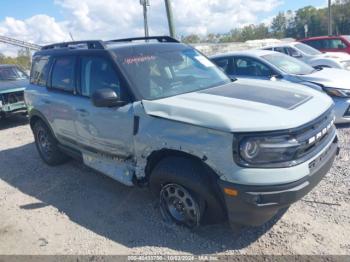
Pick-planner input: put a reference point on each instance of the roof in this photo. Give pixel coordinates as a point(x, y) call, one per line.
point(252, 52)
point(282, 44)
point(321, 37)
point(105, 45)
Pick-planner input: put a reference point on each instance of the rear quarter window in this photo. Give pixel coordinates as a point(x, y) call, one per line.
point(40, 71)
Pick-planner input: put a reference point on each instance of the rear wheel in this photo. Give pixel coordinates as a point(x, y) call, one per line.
point(47, 145)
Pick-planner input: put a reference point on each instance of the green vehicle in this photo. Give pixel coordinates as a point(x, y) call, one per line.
point(12, 84)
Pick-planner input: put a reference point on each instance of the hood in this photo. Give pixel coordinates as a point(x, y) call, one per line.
point(244, 106)
point(13, 85)
point(329, 77)
point(336, 55)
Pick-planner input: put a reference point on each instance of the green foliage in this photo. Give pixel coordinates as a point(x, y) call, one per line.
point(279, 25)
point(22, 59)
point(246, 33)
point(192, 38)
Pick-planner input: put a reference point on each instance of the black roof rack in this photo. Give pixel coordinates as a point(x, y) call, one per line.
point(98, 44)
point(162, 39)
point(90, 44)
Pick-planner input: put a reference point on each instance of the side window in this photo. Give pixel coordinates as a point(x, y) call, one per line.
point(246, 66)
point(281, 50)
point(315, 44)
point(292, 52)
point(222, 63)
point(335, 44)
point(40, 71)
point(98, 73)
point(63, 74)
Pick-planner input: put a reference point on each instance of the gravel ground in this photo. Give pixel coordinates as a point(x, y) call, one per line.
point(71, 209)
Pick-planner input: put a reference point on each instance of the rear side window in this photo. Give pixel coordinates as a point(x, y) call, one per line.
point(63, 74)
point(98, 73)
point(40, 71)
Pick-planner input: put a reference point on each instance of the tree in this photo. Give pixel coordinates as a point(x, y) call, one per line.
point(192, 38)
point(22, 59)
point(279, 25)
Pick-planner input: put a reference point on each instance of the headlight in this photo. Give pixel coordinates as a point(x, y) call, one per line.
point(337, 92)
point(259, 151)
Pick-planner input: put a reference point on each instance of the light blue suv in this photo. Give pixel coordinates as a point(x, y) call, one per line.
point(154, 112)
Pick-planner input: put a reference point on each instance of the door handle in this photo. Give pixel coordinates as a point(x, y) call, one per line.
point(46, 101)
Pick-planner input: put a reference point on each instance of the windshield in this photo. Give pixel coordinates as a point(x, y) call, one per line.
point(307, 49)
point(158, 73)
point(12, 73)
point(347, 37)
point(289, 64)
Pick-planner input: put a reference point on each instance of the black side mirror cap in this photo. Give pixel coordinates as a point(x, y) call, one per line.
point(106, 97)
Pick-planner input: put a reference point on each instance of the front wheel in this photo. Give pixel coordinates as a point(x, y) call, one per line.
point(187, 192)
point(180, 205)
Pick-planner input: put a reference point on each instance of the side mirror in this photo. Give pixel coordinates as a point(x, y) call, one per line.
point(275, 77)
point(105, 97)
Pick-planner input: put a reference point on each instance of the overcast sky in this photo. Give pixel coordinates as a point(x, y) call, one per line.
point(48, 21)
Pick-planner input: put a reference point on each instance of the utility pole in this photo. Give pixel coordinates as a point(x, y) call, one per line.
point(330, 27)
point(169, 13)
point(306, 30)
point(145, 3)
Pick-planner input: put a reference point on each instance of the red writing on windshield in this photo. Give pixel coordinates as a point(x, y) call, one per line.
point(138, 59)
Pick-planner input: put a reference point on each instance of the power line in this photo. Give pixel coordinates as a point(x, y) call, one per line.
point(15, 42)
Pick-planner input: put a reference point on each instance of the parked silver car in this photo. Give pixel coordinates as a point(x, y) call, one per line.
point(312, 56)
point(270, 65)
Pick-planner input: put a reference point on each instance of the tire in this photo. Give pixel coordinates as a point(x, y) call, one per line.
point(186, 180)
point(47, 145)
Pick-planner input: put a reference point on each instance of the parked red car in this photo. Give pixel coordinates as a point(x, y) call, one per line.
point(329, 43)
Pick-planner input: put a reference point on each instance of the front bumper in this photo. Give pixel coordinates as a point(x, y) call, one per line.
point(13, 108)
point(255, 205)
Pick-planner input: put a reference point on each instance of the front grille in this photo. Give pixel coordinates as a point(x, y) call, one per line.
point(11, 98)
point(313, 136)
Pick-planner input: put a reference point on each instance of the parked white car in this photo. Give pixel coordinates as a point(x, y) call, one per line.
point(312, 56)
